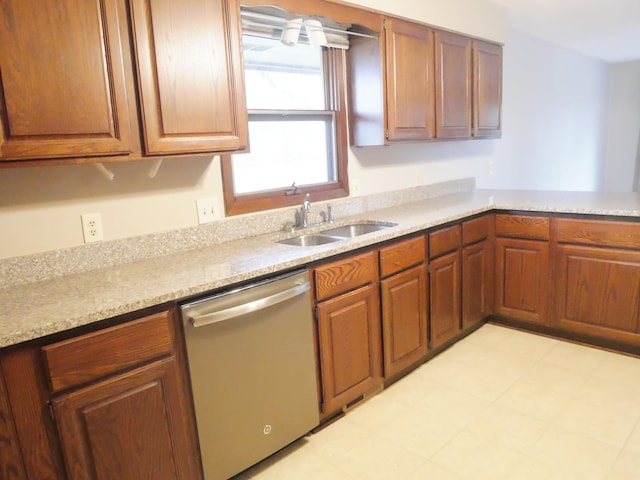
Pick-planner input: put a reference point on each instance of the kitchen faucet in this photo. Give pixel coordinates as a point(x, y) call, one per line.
point(306, 208)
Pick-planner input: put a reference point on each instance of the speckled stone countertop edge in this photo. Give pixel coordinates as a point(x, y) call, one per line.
point(38, 309)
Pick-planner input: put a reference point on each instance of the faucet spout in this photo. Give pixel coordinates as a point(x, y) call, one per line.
point(306, 208)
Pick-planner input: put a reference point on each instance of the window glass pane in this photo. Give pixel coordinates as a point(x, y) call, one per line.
point(282, 77)
point(286, 151)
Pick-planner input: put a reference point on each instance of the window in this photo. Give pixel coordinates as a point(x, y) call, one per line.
point(297, 127)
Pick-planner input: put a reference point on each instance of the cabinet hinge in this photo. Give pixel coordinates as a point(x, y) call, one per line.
point(315, 313)
point(384, 23)
point(52, 412)
point(386, 134)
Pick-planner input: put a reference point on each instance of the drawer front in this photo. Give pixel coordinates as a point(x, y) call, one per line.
point(402, 255)
point(444, 241)
point(521, 226)
point(598, 233)
point(89, 357)
point(346, 274)
point(477, 229)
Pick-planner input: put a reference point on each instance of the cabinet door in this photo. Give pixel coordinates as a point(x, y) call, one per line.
point(350, 347)
point(190, 75)
point(444, 286)
point(477, 283)
point(129, 427)
point(453, 85)
point(597, 292)
point(62, 79)
point(410, 83)
point(11, 463)
point(487, 90)
point(404, 319)
point(522, 279)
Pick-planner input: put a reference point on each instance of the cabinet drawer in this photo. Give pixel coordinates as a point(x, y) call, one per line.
point(444, 241)
point(402, 255)
point(476, 229)
point(522, 226)
point(346, 274)
point(598, 232)
point(89, 357)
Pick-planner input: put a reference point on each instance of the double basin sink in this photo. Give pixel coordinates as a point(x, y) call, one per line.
point(336, 234)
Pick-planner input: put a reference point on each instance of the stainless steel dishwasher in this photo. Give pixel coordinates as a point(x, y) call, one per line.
point(252, 363)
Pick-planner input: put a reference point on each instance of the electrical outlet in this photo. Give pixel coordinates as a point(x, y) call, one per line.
point(207, 211)
point(92, 227)
point(356, 187)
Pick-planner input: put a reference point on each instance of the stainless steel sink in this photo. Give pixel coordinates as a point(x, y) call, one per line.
point(356, 229)
point(309, 240)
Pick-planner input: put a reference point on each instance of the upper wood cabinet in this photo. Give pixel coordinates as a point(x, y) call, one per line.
point(190, 75)
point(410, 70)
point(422, 84)
point(453, 83)
point(487, 90)
point(63, 90)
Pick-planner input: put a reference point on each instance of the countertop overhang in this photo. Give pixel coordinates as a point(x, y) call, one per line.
point(38, 309)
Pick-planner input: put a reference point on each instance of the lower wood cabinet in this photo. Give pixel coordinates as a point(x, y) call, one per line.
point(404, 293)
point(348, 330)
point(129, 426)
point(596, 281)
point(350, 350)
point(109, 404)
point(597, 292)
point(477, 283)
point(445, 290)
point(477, 270)
point(522, 279)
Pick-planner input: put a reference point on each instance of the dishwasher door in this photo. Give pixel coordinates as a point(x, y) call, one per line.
point(252, 363)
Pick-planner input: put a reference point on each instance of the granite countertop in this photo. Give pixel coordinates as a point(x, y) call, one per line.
point(36, 309)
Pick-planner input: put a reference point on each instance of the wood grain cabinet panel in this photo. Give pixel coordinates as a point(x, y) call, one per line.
point(349, 347)
point(597, 292)
point(11, 464)
point(129, 427)
point(522, 279)
point(453, 85)
point(404, 319)
point(444, 288)
point(28, 397)
point(487, 90)
point(343, 275)
point(477, 283)
point(410, 81)
point(190, 75)
point(69, 99)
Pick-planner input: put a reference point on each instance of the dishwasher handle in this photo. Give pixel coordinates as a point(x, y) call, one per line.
point(201, 320)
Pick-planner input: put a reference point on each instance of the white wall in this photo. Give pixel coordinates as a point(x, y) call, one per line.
point(554, 118)
point(623, 139)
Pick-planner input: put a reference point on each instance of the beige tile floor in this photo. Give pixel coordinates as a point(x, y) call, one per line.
point(500, 404)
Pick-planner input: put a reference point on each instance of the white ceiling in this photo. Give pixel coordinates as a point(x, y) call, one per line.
point(604, 29)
